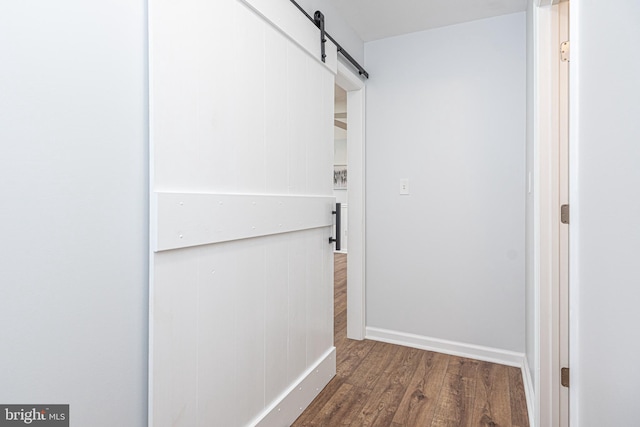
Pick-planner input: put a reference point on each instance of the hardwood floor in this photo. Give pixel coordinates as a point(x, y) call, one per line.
point(379, 384)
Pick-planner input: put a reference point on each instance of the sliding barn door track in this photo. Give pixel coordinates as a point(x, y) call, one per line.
point(318, 20)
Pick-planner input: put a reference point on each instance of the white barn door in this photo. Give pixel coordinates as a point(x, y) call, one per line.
point(241, 293)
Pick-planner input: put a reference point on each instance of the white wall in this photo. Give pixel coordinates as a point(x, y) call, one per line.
point(531, 350)
point(605, 208)
point(340, 151)
point(73, 221)
point(446, 109)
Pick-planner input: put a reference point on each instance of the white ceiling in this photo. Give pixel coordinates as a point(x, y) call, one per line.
point(377, 19)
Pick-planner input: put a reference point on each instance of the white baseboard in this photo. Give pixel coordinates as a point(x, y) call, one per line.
point(291, 403)
point(472, 351)
point(529, 392)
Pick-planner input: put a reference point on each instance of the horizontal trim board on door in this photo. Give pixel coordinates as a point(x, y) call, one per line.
point(193, 219)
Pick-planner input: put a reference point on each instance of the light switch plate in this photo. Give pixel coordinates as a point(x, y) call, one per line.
point(404, 186)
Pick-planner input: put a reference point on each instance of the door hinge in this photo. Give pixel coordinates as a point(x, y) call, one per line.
point(564, 214)
point(564, 377)
point(564, 51)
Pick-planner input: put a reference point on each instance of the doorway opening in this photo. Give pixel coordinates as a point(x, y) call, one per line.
point(351, 153)
point(340, 163)
point(340, 192)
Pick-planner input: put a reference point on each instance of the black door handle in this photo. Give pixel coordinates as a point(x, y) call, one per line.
point(338, 214)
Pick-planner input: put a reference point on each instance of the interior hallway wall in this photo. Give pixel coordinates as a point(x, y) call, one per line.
point(73, 216)
point(531, 349)
point(446, 109)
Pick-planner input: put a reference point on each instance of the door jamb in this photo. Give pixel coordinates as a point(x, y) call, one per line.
point(548, 196)
point(355, 88)
point(563, 229)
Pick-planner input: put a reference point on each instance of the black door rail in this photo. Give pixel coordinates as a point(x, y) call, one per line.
point(318, 20)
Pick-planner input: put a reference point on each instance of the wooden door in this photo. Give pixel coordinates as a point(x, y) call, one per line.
point(241, 131)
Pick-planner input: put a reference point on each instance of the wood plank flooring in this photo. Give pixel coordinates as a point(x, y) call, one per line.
point(385, 385)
